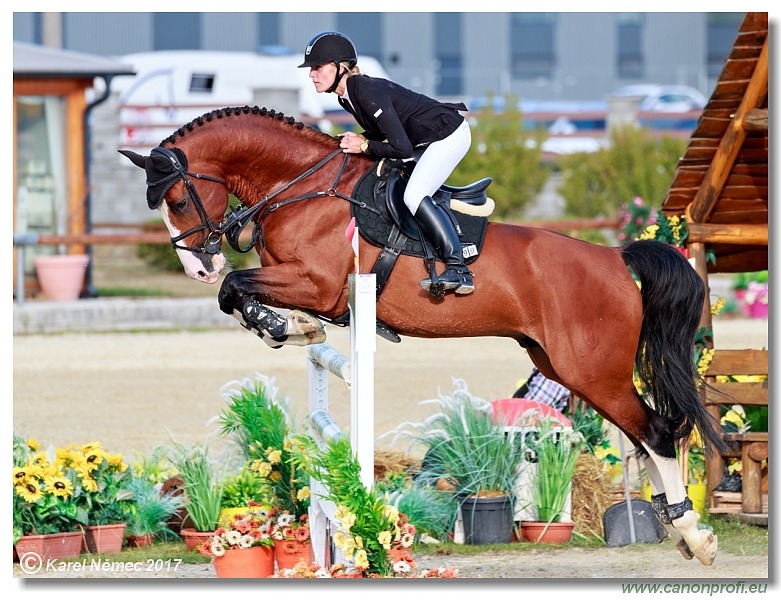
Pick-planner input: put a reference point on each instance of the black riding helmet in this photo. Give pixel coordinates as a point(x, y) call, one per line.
point(330, 47)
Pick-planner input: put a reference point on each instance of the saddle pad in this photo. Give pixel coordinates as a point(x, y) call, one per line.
point(375, 227)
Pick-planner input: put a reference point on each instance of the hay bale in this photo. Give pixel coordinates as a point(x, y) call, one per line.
point(590, 495)
point(392, 461)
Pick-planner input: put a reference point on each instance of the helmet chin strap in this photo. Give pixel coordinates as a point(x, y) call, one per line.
point(339, 74)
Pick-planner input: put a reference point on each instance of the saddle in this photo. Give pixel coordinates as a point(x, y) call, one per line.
point(384, 220)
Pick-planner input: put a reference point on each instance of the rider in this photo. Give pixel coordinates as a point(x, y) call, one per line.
point(396, 122)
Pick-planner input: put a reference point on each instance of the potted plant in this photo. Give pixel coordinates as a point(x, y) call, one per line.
point(107, 500)
point(47, 511)
point(556, 450)
point(469, 451)
point(368, 528)
point(150, 512)
point(202, 491)
point(262, 427)
point(244, 548)
point(240, 490)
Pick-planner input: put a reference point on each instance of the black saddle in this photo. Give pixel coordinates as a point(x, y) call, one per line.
point(390, 186)
point(384, 221)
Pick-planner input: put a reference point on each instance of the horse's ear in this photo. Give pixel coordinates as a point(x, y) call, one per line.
point(137, 159)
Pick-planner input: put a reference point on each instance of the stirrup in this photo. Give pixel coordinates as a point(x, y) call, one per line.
point(462, 283)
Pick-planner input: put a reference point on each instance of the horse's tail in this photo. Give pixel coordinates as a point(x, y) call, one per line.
point(673, 295)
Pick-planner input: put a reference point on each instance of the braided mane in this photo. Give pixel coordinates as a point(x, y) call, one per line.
point(240, 111)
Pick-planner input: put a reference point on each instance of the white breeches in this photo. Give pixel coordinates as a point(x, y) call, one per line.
point(435, 165)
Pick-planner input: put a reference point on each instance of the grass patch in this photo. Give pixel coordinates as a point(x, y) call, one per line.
point(735, 537)
point(113, 292)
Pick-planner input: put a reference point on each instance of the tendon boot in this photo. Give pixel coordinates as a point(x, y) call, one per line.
point(440, 230)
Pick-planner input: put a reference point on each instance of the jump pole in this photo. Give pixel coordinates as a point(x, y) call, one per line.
point(358, 373)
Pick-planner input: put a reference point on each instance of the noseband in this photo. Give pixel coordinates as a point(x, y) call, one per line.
point(235, 221)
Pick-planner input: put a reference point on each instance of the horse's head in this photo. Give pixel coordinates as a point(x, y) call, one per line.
point(192, 215)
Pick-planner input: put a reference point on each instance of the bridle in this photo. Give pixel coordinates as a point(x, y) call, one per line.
point(239, 217)
point(211, 244)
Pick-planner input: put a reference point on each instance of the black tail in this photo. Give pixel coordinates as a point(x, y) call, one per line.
point(673, 295)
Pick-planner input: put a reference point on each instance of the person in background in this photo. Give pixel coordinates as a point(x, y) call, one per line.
point(540, 388)
point(399, 123)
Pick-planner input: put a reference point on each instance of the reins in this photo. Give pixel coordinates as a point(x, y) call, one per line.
point(240, 216)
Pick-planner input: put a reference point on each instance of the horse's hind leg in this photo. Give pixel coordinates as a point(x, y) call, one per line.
point(659, 503)
point(652, 434)
point(675, 510)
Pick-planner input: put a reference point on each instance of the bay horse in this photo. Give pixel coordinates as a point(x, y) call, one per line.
point(575, 307)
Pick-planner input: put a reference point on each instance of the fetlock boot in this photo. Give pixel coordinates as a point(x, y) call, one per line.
point(440, 230)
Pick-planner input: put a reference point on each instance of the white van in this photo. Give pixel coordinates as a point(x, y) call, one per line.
point(173, 87)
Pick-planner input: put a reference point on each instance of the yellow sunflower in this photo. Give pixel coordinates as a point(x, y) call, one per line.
point(59, 486)
point(30, 490)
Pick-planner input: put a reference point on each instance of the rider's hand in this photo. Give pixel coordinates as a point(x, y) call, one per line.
point(351, 142)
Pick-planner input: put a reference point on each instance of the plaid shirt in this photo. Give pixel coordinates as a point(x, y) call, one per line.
point(546, 391)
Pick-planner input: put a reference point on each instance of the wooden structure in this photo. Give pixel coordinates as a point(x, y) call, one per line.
point(45, 78)
point(721, 187)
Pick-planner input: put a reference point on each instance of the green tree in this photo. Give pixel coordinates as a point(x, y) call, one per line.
point(634, 164)
point(505, 151)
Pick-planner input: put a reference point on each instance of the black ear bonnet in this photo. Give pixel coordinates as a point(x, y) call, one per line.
point(164, 167)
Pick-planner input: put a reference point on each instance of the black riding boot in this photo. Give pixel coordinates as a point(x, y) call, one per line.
point(440, 230)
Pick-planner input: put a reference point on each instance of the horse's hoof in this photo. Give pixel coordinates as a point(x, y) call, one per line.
point(301, 323)
point(706, 553)
point(700, 540)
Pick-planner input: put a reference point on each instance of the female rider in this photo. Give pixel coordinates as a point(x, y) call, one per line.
point(399, 123)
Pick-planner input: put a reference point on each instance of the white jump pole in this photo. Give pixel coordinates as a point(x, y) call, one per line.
point(358, 373)
point(363, 345)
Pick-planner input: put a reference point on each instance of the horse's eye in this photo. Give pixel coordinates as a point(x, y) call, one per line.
point(179, 205)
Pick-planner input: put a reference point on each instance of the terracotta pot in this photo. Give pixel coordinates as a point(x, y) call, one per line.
point(193, 538)
point(547, 533)
point(103, 539)
point(50, 546)
point(290, 552)
point(245, 563)
point(137, 541)
point(61, 276)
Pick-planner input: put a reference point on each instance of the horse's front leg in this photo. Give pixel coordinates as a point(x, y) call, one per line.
point(242, 296)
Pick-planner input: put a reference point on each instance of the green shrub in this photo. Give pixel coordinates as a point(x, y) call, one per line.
point(505, 151)
point(634, 165)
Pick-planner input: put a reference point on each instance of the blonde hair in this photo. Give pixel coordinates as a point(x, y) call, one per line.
point(350, 71)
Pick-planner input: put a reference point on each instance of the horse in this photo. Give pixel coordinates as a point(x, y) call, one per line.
point(589, 316)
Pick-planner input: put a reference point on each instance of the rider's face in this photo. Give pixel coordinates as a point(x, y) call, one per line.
point(323, 76)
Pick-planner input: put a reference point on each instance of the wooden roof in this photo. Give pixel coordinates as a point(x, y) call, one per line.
point(721, 183)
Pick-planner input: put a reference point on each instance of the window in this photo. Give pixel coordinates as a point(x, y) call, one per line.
point(630, 63)
point(532, 45)
point(447, 45)
point(202, 83)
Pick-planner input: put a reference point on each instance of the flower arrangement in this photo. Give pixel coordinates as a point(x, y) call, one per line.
point(341, 571)
point(368, 528)
point(287, 528)
point(756, 293)
point(104, 477)
point(46, 496)
point(262, 427)
point(633, 218)
point(64, 488)
point(245, 530)
point(670, 230)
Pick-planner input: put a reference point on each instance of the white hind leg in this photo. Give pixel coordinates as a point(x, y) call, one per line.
point(659, 502)
point(699, 542)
